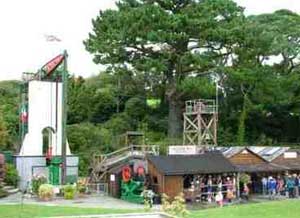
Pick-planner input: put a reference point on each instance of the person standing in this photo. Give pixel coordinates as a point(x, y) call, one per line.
point(229, 190)
point(264, 182)
point(209, 189)
point(280, 186)
point(298, 184)
point(296, 187)
point(290, 186)
point(271, 188)
point(219, 198)
point(245, 193)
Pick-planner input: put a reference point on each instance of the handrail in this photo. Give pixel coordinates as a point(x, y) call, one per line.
point(130, 148)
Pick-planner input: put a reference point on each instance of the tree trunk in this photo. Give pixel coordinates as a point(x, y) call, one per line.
point(174, 119)
point(241, 128)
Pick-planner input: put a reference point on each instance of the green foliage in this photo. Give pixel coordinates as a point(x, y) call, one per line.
point(11, 175)
point(82, 187)
point(171, 41)
point(36, 182)
point(69, 192)
point(3, 132)
point(177, 207)
point(147, 205)
point(136, 108)
point(9, 121)
point(46, 192)
point(245, 178)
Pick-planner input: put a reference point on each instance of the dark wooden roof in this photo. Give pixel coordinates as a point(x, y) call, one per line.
point(207, 163)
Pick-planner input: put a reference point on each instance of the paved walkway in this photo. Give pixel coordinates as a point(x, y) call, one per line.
point(100, 201)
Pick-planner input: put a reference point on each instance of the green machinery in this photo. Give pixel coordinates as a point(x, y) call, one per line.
point(132, 188)
point(132, 191)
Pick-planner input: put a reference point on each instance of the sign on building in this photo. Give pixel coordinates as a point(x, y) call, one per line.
point(182, 150)
point(290, 155)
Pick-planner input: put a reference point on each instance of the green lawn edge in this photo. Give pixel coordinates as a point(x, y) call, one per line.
point(34, 211)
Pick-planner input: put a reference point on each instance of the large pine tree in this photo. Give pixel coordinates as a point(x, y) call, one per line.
point(170, 40)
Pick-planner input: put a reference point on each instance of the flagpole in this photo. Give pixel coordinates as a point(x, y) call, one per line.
point(64, 119)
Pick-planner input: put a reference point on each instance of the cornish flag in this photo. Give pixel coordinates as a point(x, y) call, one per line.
point(24, 114)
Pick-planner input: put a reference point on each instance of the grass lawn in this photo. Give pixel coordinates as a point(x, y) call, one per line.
point(276, 209)
point(32, 211)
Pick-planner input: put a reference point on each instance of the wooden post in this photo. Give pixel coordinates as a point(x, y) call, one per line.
point(238, 186)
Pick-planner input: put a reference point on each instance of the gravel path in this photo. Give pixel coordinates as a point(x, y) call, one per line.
point(90, 201)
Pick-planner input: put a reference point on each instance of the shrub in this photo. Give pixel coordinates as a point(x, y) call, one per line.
point(245, 178)
point(36, 182)
point(176, 207)
point(82, 186)
point(82, 189)
point(46, 192)
point(69, 192)
point(11, 175)
point(166, 205)
point(148, 199)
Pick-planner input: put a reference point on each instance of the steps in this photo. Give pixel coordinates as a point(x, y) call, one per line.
point(101, 163)
point(9, 189)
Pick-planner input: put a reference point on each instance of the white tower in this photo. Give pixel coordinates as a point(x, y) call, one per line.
point(44, 112)
point(43, 127)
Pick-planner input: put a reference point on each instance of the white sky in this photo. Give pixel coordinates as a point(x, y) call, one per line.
point(24, 23)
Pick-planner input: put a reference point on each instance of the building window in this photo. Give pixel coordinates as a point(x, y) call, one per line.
point(155, 180)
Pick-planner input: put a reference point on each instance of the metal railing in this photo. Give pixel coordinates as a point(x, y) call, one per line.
point(201, 105)
point(98, 188)
point(123, 153)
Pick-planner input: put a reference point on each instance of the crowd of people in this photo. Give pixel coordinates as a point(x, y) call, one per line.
point(211, 188)
point(287, 185)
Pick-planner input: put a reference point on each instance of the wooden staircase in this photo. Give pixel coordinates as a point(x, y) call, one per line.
point(103, 162)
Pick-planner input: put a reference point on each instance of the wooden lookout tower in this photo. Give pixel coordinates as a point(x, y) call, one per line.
point(200, 123)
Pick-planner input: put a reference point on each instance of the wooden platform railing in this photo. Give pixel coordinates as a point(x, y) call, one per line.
point(101, 162)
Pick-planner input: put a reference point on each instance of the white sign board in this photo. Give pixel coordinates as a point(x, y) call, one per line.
point(290, 155)
point(182, 150)
point(112, 177)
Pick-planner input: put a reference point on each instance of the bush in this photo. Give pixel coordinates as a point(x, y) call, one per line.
point(82, 186)
point(176, 207)
point(69, 192)
point(46, 192)
point(245, 178)
point(36, 182)
point(11, 175)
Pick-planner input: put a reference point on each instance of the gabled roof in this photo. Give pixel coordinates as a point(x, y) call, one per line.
point(207, 163)
point(228, 152)
point(269, 153)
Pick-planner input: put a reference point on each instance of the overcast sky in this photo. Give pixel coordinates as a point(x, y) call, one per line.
point(24, 24)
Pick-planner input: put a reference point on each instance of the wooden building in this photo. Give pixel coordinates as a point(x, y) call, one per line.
point(288, 158)
point(169, 173)
point(248, 161)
